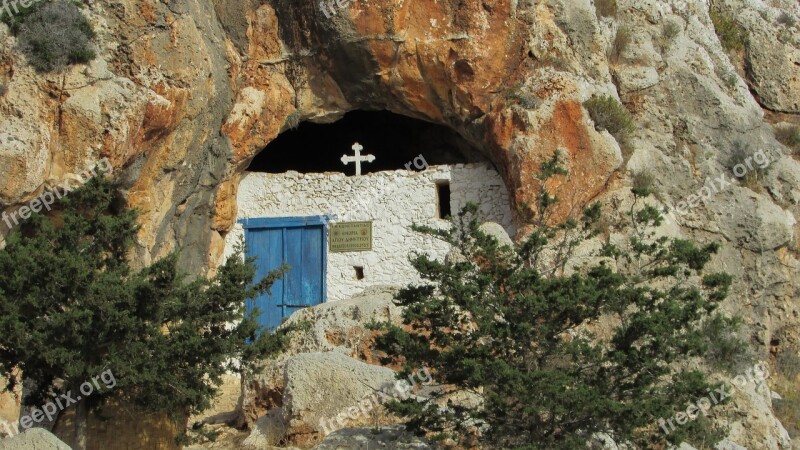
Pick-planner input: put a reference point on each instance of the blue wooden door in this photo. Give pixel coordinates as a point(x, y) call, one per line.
point(300, 243)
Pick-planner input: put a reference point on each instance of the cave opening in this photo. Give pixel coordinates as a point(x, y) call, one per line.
point(396, 142)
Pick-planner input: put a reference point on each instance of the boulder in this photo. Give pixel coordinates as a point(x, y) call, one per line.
point(772, 57)
point(728, 445)
point(751, 220)
point(267, 431)
point(340, 326)
point(329, 327)
point(395, 438)
point(33, 439)
point(497, 231)
point(635, 78)
point(323, 392)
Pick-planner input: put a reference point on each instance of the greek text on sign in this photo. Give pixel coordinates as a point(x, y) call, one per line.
point(351, 237)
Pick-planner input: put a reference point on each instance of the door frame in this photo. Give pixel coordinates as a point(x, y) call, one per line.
point(261, 223)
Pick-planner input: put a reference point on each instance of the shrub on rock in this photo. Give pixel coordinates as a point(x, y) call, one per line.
point(609, 114)
point(55, 36)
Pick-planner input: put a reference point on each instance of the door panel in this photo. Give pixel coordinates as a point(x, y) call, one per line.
point(313, 262)
point(294, 258)
point(300, 243)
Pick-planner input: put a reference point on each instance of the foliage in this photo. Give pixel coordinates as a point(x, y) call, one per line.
point(54, 35)
point(753, 174)
point(787, 409)
point(553, 59)
point(725, 349)
point(789, 363)
point(516, 328)
point(71, 307)
point(643, 183)
point(606, 8)
point(669, 32)
point(3, 90)
point(786, 19)
point(790, 137)
point(730, 79)
point(622, 40)
point(732, 36)
point(609, 114)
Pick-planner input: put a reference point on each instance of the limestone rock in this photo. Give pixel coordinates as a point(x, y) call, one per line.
point(340, 326)
point(321, 392)
point(728, 445)
point(394, 438)
point(267, 431)
point(773, 55)
point(224, 408)
point(632, 78)
point(498, 232)
point(322, 386)
point(602, 441)
point(33, 439)
point(758, 224)
point(455, 256)
point(757, 426)
point(10, 404)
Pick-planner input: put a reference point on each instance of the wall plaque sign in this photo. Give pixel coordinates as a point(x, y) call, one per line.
point(351, 237)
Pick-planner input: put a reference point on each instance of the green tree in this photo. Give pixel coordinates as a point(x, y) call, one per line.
point(71, 308)
point(518, 330)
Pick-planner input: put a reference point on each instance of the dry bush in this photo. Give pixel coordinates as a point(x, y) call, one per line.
point(621, 41)
point(643, 183)
point(731, 35)
point(787, 19)
point(753, 175)
point(787, 409)
point(609, 114)
point(789, 363)
point(56, 36)
point(790, 137)
point(606, 8)
point(669, 31)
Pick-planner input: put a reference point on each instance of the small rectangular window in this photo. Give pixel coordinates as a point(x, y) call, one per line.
point(359, 272)
point(443, 198)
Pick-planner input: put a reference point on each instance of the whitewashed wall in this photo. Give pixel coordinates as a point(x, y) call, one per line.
point(393, 200)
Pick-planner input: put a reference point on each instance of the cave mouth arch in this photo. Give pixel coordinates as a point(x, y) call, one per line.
point(395, 141)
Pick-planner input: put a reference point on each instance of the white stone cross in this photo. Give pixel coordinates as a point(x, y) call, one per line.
point(357, 158)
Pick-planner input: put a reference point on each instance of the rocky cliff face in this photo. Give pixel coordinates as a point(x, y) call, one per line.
point(184, 94)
